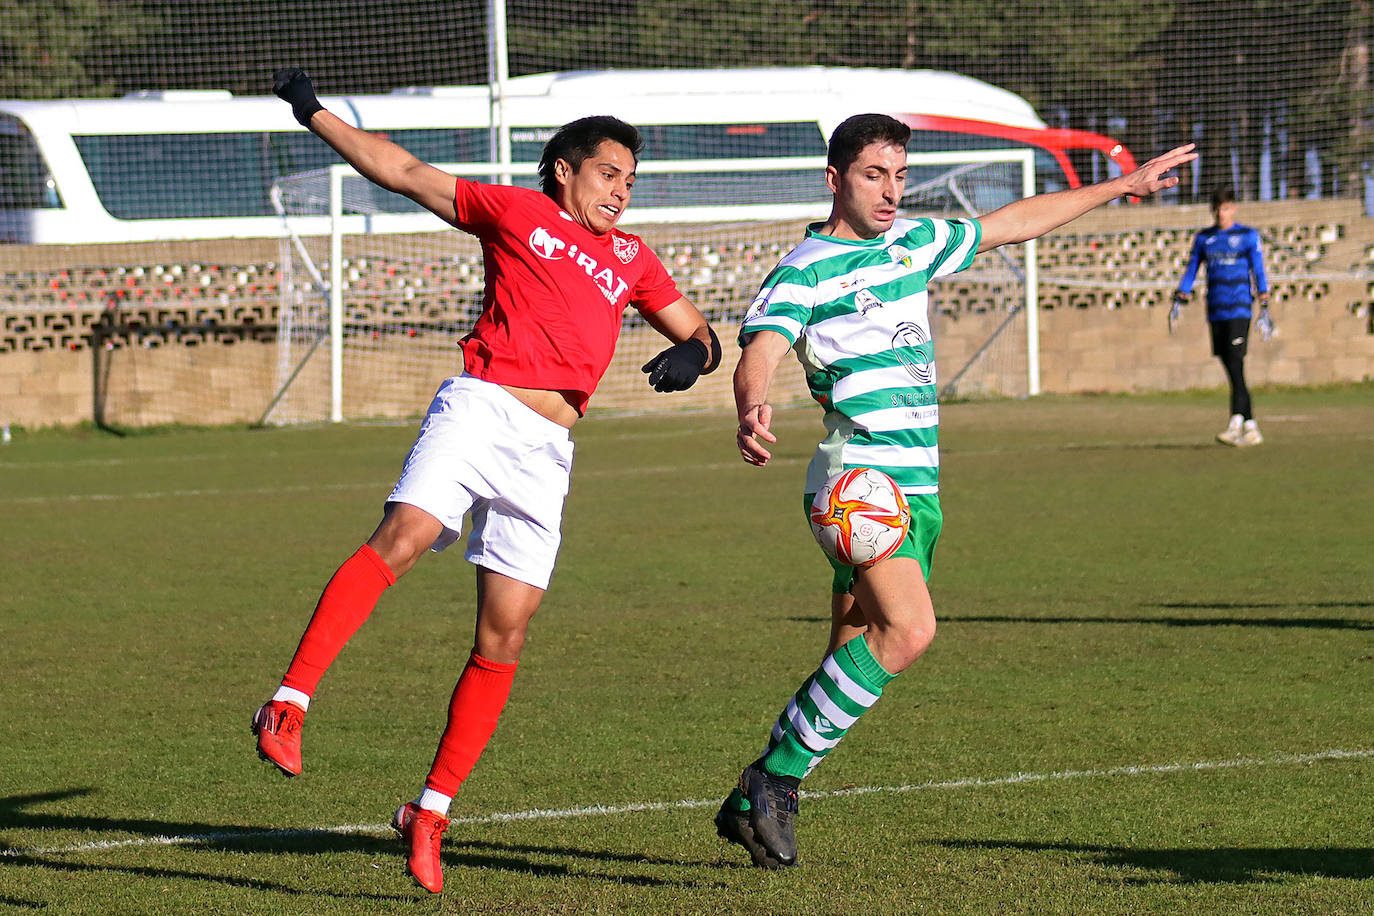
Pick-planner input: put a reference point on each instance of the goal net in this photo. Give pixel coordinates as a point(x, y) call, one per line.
point(376, 294)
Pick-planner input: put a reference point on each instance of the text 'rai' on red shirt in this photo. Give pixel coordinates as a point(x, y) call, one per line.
point(555, 292)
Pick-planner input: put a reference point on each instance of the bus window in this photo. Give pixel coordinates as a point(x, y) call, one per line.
point(699, 141)
point(527, 143)
point(1049, 174)
point(152, 176)
point(711, 141)
point(752, 140)
point(1090, 164)
point(437, 145)
point(732, 141)
point(292, 152)
point(161, 176)
point(467, 144)
point(25, 182)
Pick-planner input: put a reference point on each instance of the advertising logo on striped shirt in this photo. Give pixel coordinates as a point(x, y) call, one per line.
point(907, 344)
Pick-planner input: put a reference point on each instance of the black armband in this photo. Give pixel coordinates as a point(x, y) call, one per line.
point(714, 362)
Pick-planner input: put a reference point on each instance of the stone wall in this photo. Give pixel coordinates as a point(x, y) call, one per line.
point(186, 332)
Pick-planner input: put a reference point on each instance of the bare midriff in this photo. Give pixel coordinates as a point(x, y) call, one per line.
point(552, 405)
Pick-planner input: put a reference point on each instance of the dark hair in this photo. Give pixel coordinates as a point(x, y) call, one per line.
point(858, 131)
point(578, 140)
point(1225, 194)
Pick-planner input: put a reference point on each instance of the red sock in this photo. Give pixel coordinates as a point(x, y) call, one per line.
point(347, 601)
point(477, 702)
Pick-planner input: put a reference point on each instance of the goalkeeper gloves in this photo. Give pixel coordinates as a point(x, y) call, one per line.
point(292, 85)
point(1179, 298)
point(1265, 324)
point(678, 367)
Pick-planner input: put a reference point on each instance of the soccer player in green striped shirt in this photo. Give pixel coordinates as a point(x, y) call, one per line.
point(851, 300)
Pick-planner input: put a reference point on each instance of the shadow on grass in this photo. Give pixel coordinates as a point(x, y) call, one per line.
point(1251, 605)
point(1243, 865)
point(516, 858)
point(1281, 623)
point(1317, 623)
point(508, 857)
point(1304, 623)
point(1145, 445)
point(14, 815)
point(150, 871)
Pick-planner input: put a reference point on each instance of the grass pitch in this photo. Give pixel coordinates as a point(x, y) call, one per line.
point(1152, 689)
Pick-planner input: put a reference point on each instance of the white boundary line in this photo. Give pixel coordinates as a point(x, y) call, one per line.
point(542, 814)
point(379, 485)
point(182, 494)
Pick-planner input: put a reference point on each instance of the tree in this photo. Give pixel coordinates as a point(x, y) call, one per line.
point(1240, 68)
point(1078, 62)
point(1344, 97)
point(51, 50)
point(347, 46)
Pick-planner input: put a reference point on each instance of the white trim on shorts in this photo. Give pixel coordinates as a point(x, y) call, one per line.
point(481, 451)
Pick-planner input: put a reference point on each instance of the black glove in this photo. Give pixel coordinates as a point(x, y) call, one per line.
point(292, 85)
point(677, 368)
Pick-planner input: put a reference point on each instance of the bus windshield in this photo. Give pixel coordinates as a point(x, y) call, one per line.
point(25, 181)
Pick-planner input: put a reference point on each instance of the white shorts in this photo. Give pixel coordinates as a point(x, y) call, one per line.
point(482, 451)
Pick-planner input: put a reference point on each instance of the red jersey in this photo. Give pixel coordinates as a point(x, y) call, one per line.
point(555, 292)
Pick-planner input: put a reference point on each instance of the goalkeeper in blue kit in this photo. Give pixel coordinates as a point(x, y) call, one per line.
point(1235, 277)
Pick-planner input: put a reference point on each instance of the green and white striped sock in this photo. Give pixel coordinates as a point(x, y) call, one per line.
point(830, 701)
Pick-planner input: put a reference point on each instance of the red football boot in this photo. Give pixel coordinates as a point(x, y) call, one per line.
point(278, 727)
point(421, 829)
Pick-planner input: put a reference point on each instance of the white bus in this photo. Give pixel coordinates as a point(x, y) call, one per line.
point(201, 164)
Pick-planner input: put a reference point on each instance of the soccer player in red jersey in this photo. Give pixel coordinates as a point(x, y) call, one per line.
point(494, 443)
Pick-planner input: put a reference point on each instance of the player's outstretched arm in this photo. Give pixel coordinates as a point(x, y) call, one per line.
point(1034, 216)
point(695, 350)
point(758, 362)
point(380, 161)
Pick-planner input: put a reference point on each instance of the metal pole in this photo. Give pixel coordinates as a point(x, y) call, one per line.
point(1032, 291)
point(498, 73)
point(336, 294)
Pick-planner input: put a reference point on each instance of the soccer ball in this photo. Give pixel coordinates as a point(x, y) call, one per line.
point(860, 517)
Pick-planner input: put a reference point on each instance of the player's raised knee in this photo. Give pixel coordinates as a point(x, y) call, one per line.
point(913, 640)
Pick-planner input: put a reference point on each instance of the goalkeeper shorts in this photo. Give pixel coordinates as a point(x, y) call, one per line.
point(482, 452)
point(1229, 336)
point(919, 543)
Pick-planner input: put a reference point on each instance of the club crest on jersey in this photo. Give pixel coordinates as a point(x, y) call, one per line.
point(866, 299)
point(625, 249)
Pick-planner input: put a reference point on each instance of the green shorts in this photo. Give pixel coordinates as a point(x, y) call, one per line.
point(926, 522)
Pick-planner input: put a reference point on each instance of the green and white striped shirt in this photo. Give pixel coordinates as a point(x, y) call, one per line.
point(856, 313)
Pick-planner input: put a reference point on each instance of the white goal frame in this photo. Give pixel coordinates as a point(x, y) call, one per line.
point(337, 224)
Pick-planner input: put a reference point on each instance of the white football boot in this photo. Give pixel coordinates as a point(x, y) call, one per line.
point(1234, 430)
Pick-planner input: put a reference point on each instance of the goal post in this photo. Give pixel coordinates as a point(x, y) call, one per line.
point(390, 288)
point(965, 161)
